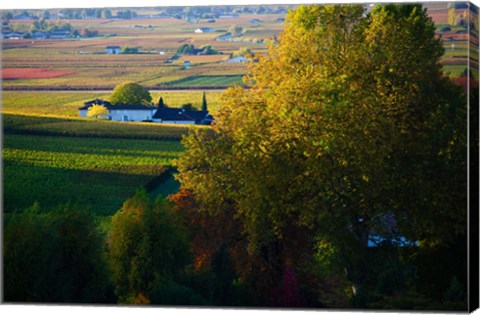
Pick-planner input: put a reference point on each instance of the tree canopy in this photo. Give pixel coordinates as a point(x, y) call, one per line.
point(204, 102)
point(130, 93)
point(148, 248)
point(54, 256)
point(340, 137)
point(97, 111)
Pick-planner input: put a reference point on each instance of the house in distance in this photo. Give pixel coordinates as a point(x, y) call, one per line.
point(147, 113)
point(113, 50)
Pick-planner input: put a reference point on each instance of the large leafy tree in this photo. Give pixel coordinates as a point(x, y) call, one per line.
point(348, 129)
point(148, 248)
point(130, 93)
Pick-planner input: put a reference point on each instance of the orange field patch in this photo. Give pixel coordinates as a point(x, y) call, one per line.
point(32, 73)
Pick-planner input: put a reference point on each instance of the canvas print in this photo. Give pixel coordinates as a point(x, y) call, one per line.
point(304, 156)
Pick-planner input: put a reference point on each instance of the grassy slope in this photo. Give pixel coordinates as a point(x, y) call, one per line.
point(66, 104)
point(77, 127)
point(98, 173)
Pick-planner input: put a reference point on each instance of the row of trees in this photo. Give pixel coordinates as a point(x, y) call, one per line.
point(93, 13)
point(66, 255)
point(189, 49)
point(45, 26)
point(48, 27)
point(210, 12)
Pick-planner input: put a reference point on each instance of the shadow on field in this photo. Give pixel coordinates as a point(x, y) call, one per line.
point(102, 192)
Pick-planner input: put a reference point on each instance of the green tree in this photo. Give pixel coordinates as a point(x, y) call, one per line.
point(204, 103)
point(244, 51)
point(130, 93)
point(161, 104)
point(88, 33)
point(7, 15)
point(148, 248)
point(452, 16)
point(130, 50)
point(97, 111)
point(188, 106)
point(45, 15)
point(54, 257)
point(209, 50)
point(185, 49)
point(106, 14)
point(344, 125)
point(236, 30)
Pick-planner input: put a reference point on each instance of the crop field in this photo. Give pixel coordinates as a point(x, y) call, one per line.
point(95, 172)
point(105, 71)
point(455, 40)
point(46, 103)
point(195, 60)
point(66, 103)
point(87, 65)
point(77, 127)
point(208, 80)
point(31, 73)
point(194, 97)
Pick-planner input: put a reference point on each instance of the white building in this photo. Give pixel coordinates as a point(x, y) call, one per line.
point(204, 30)
point(121, 112)
point(238, 59)
point(150, 113)
point(113, 50)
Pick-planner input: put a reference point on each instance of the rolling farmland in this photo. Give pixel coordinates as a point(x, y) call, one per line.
point(88, 66)
point(308, 190)
point(45, 81)
point(83, 64)
point(97, 173)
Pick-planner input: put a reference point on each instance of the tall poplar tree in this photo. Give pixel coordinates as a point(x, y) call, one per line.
point(204, 102)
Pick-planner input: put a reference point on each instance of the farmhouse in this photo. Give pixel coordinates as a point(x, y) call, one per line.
point(228, 16)
point(204, 30)
point(182, 116)
point(113, 50)
point(238, 59)
point(121, 112)
point(149, 113)
point(13, 35)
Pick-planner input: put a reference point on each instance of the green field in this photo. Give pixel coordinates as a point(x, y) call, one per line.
point(97, 173)
point(46, 103)
point(86, 127)
point(66, 103)
point(207, 80)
